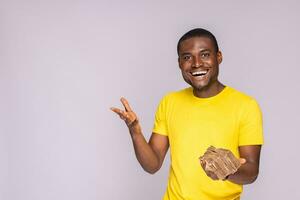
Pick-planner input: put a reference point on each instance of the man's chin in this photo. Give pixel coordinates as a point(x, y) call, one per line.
point(200, 86)
point(197, 85)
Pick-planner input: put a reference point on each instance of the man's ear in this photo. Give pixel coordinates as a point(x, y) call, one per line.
point(219, 57)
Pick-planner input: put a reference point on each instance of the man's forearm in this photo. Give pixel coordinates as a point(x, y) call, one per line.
point(246, 174)
point(143, 151)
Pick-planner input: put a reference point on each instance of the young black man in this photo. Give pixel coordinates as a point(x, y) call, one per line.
point(190, 120)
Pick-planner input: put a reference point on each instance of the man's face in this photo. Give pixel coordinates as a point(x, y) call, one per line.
point(199, 62)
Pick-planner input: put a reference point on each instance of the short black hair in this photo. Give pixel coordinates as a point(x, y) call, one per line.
point(198, 32)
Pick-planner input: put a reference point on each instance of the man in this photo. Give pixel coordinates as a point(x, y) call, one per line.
point(190, 120)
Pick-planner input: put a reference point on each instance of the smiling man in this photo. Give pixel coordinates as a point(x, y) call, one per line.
point(190, 120)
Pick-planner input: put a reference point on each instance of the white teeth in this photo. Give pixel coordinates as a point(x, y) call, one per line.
point(199, 73)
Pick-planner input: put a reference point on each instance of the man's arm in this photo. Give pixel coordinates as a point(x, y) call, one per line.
point(149, 154)
point(248, 171)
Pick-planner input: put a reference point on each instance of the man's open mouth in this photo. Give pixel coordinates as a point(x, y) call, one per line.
point(200, 73)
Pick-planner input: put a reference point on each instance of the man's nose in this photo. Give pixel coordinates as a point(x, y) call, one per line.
point(197, 62)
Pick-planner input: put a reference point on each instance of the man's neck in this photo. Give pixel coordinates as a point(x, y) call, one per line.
point(209, 91)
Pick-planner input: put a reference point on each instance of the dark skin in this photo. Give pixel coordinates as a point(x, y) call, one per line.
point(199, 54)
point(149, 154)
point(195, 54)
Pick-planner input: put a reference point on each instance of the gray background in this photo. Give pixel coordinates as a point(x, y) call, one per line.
point(64, 63)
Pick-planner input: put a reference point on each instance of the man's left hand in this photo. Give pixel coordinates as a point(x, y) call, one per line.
point(212, 175)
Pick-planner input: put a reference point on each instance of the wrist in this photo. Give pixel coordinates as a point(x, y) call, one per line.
point(135, 128)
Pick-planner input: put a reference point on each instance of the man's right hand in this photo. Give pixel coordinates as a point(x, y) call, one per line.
point(128, 116)
point(149, 154)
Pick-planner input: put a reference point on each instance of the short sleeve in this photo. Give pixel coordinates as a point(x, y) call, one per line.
point(251, 125)
point(160, 121)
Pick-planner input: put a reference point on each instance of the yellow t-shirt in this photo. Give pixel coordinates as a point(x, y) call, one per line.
point(228, 120)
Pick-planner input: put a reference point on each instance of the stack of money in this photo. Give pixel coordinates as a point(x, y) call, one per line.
point(220, 161)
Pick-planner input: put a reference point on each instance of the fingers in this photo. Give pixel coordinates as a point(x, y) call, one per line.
point(120, 112)
point(125, 104)
point(210, 174)
point(116, 110)
point(243, 160)
point(203, 164)
point(128, 117)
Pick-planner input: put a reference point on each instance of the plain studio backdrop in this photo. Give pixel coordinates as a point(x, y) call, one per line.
point(65, 63)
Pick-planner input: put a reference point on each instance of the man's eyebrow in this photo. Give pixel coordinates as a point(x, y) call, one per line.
point(185, 54)
point(202, 50)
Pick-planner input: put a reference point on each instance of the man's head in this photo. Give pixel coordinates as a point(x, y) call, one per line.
point(199, 58)
point(198, 32)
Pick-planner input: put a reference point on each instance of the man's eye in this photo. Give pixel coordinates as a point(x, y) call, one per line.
point(186, 57)
point(205, 55)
